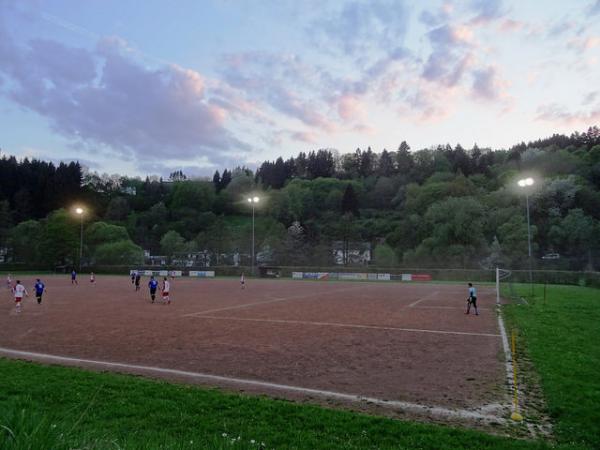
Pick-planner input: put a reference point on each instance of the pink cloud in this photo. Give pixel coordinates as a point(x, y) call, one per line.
point(511, 25)
point(350, 107)
point(584, 43)
point(304, 136)
point(559, 115)
point(108, 101)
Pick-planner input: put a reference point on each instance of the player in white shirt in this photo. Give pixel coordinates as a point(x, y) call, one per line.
point(472, 300)
point(243, 281)
point(9, 282)
point(19, 290)
point(166, 287)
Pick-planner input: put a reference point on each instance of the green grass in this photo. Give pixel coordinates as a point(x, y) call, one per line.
point(561, 336)
point(59, 407)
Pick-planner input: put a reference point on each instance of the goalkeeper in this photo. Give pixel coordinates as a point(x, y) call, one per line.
point(472, 299)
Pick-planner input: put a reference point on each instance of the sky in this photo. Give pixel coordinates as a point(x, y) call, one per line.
point(143, 88)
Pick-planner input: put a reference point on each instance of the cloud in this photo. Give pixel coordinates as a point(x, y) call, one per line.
point(359, 27)
point(560, 116)
point(304, 136)
point(451, 54)
point(590, 98)
point(46, 155)
point(486, 11)
point(103, 97)
point(594, 8)
point(267, 78)
point(487, 84)
point(581, 44)
point(511, 25)
point(350, 107)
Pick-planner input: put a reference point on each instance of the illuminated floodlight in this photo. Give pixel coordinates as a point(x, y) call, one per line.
point(526, 182)
point(79, 211)
point(255, 199)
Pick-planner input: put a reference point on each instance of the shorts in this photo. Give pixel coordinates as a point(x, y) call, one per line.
point(153, 291)
point(165, 294)
point(18, 299)
point(39, 294)
point(473, 301)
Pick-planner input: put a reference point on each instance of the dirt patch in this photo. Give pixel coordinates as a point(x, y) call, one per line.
point(392, 343)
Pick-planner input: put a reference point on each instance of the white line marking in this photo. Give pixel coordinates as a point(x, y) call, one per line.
point(395, 404)
point(507, 352)
point(346, 325)
point(412, 305)
point(282, 299)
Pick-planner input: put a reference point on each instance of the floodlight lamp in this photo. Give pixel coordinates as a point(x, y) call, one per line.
point(526, 182)
point(255, 199)
point(79, 211)
point(249, 200)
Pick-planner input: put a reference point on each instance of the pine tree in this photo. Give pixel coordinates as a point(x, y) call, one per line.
point(350, 201)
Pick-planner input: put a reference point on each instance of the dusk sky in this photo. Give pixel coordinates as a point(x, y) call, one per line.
point(148, 87)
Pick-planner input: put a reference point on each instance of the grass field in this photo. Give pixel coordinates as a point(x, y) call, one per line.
point(561, 337)
point(56, 407)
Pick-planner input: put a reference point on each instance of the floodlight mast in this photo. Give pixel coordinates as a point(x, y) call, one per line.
point(525, 183)
point(79, 211)
point(253, 201)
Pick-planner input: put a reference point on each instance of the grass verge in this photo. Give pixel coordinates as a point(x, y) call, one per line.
point(560, 334)
point(60, 407)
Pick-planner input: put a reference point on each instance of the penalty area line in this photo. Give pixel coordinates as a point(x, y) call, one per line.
point(266, 302)
point(353, 398)
point(427, 297)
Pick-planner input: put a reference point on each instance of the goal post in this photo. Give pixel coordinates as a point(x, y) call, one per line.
point(504, 278)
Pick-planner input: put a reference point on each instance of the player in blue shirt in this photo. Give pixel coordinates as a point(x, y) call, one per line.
point(153, 285)
point(73, 277)
point(39, 290)
point(472, 299)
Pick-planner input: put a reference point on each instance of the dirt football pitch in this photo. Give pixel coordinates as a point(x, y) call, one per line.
point(407, 347)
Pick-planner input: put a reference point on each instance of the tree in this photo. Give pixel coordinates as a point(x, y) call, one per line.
point(404, 159)
point(386, 164)
point(320, 164)
point(216, 239)
point(576, 234)
point(366, 163)
point(60, 239)
point(216, 181)
point(192, 194)
point(5, 221)
point(346, 231)
point(350, 201)
point(295, 245)
point(118, 209)
point(456, 232)
point(225, 179)
point(241, 184)
point(100, 233)
point(24, 240)
point(512, 237)
point(384, 256)
point(122, 252)
point(171, 243)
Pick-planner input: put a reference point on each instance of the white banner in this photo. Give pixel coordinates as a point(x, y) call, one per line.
point(202, 273)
